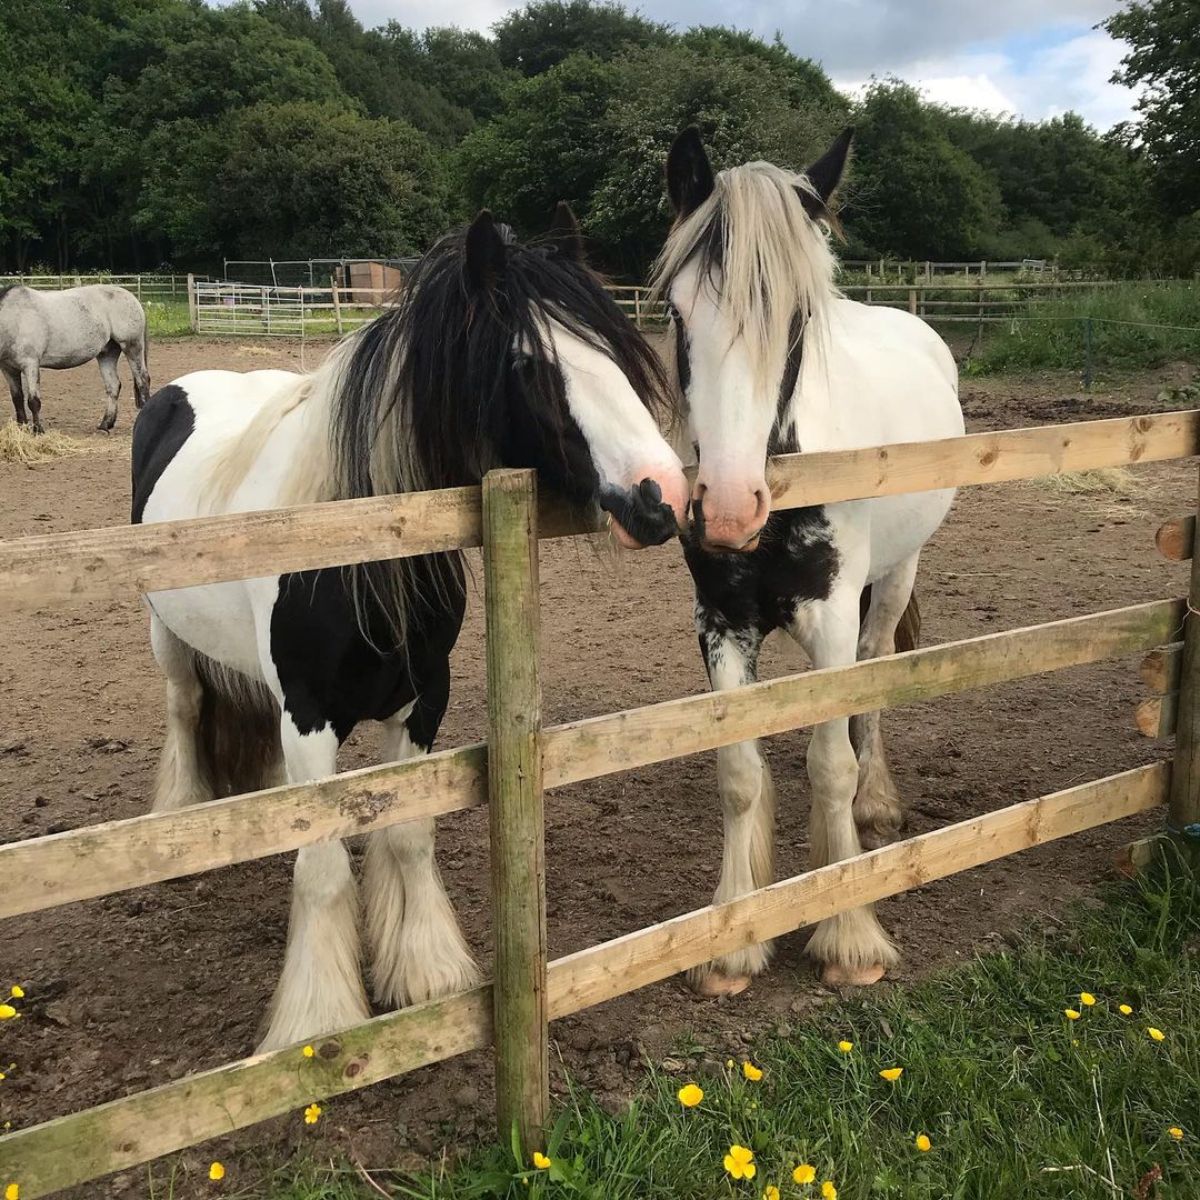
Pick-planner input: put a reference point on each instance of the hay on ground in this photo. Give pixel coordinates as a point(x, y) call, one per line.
point(18, 445)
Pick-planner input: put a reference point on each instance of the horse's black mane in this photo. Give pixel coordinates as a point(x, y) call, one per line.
point(424, 398)
point(445, 353)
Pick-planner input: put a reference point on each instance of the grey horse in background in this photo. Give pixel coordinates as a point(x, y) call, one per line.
point(65, 329)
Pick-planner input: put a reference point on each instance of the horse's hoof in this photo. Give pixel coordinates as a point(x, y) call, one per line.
point(837, 975)
point(717, 983)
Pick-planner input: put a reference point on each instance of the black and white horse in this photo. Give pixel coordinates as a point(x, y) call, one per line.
point(66, 329)
point(499, 354)
point(772, 359)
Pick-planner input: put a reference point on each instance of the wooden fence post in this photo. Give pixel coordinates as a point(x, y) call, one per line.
point(337, 307)
point(1183, 812)
point(912, 301)
point(193, 314)
point(510, 551)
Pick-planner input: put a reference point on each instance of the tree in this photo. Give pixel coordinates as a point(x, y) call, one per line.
point(542, 34)
point(1165, 61)
point(914, 193)
point(306, 179)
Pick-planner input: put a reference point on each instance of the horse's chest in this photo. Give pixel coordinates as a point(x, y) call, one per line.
point(796, 562)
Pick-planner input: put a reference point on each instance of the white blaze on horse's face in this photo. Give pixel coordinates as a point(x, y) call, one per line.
point(730, 412)
point(638, 471)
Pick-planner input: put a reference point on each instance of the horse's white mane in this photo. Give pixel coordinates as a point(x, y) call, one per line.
point(760, 250)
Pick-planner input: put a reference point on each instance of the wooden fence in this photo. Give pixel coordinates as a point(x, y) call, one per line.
point(144, 287)
point(523, 757)
point(254, 310)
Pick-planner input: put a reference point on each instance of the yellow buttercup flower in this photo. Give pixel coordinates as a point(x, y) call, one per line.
point(17, 991)
point(923, 1143)
point(845, 1047)
point(216, 1172)
point(751, 1072)
point(540, 1160)
point(312, 1114)
point(828, 1191)
point(1176, 1133)
point(1124, 1009)
point(891, 1074)
point(1072, 1014)
point(739, 1162)
point(770, 1192)
point(690, 1095)
point(1156, 1034)
point(12, 1192)
point(804, 1173)
point(7, 1012)
point(729, 1064)
point(308, 1052)
point(1087, 999)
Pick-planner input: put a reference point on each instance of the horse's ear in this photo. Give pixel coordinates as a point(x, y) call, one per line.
point(825, 175)
point(485, 252)
point(566, 234)
point(689, 175)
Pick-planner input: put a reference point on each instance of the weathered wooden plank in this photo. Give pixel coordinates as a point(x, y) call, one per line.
point(621, 741)
point(515, 814)
point(803, 479)
point(637, 959)
point(1158, 716)
point(1160, 668)
point(100, 859)
point(117, 561)
point(135, 1129)
point(1174, 539)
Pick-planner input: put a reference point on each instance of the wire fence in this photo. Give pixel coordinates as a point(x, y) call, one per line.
point(144, 287)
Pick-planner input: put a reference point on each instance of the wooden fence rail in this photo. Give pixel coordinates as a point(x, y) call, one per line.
point(120, 560)
point(524, 757)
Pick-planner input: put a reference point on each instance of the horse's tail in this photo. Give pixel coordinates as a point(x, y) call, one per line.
point(908, 632)
point(239, 746)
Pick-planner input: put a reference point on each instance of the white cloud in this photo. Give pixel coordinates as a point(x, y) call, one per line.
point(1072, 75)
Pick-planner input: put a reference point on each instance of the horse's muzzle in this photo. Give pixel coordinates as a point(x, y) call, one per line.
point(641, 512)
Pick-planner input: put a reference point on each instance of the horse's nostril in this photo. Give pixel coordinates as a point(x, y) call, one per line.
point(650, 492)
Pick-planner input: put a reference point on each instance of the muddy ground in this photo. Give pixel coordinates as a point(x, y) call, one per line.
point(144, 987)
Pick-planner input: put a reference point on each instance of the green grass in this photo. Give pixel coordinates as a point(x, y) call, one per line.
point(167, 318)
point(1052, 335)
point(1018, 1101)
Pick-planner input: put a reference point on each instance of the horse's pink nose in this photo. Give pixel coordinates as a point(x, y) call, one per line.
point(729, 515)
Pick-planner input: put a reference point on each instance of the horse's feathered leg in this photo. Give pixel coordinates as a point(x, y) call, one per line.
point(320, 988)
point(852, 946)
point(182, 778)
point(878, 812)
point(418, 950)
point(747, 800)
point(107, 361)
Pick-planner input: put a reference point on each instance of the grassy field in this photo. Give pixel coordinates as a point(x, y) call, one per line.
point(1016, 1098)
point(1138, 325)
point(167, 318)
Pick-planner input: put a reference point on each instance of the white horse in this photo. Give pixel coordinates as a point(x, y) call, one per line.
point(772, 359)
point(498, 355)
point(66, 329)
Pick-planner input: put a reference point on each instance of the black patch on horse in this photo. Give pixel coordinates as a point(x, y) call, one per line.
point(795, 561)
point(161, 428)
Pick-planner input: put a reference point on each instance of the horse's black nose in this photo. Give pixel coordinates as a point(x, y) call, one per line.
point(641, 511)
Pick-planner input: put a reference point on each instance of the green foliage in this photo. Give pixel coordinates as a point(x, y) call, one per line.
point(127, 126)
point(1134, 325)
point(915, 191)
point(542, 34)
point(1165, 62)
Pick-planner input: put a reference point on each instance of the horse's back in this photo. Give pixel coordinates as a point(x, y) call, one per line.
point(877, 375)
point(181, 431)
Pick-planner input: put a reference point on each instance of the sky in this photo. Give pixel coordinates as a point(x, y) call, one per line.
point(1032, 58)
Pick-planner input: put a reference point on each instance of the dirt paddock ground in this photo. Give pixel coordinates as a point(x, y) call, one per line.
point(144, 987)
